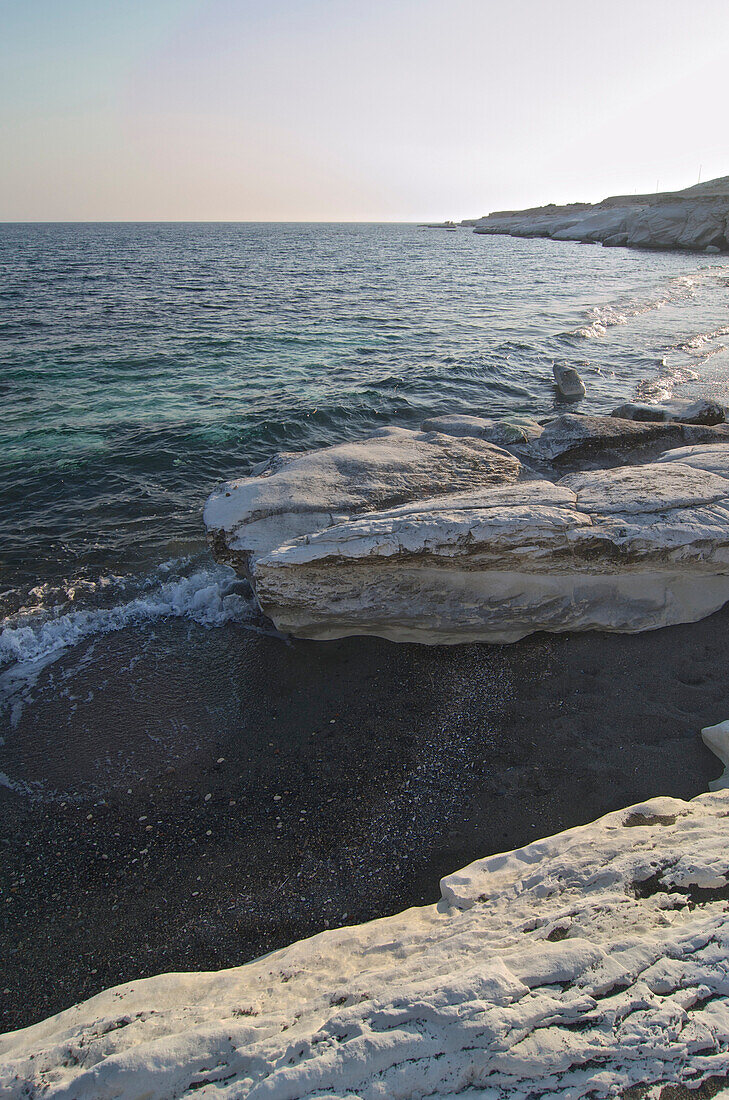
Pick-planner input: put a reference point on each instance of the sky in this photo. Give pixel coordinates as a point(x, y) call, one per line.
point(353, 110)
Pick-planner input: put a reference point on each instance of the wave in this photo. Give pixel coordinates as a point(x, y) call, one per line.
point(605, 318)
point(601, 318)
point(682, 363)
point(32, 639)
point(662, 387)
point(697, 345)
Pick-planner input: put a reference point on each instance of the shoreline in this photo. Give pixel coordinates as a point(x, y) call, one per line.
point(199, 798)
point(393, 764)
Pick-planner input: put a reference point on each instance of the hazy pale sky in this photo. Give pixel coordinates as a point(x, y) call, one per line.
point(364, 110)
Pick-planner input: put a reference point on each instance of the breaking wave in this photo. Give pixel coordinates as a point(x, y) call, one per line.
point(33, 638)
point(702, 345)
point(601, 318)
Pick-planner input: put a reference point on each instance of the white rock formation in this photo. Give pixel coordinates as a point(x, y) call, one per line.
point(580, 966)
point(713, 457)
point(473, 553)
point(626, 549)
point(295, 494)
point(717, 739)
point(696, 219)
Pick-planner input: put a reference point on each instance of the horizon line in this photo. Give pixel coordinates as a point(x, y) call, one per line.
point(211, 221)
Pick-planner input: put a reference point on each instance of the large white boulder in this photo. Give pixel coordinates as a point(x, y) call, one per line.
point(436, 539)
point(590, 964)
point(625, 549)
point(296, 494)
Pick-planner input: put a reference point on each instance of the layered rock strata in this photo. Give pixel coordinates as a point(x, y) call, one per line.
point(296, 495)
point(418, 536)
point(696, 219)
point(589, 964)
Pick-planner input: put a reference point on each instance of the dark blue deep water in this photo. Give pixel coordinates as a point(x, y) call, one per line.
point(140, 364)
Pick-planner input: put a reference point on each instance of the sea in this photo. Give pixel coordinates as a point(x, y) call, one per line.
point(140, 364)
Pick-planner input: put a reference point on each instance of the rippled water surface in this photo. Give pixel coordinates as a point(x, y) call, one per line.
point(142, 363)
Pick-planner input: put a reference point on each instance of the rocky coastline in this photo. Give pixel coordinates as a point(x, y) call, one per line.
point(587, 964)
point(695, 219)
point(592, 960)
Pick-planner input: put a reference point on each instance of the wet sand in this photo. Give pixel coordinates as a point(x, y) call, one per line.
point(188, 799)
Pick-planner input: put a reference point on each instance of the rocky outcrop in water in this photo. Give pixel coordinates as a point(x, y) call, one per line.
point(588, 964)
point(568, 381)
point(696, 219)
point(421, 536)
point(572, 441)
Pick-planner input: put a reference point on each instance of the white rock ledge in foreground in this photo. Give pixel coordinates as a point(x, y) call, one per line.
point(582, 965)
point(418, 536)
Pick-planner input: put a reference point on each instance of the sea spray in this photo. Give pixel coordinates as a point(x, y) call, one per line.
point(32, 639)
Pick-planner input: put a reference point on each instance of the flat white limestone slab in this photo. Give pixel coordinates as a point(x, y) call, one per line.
point(650, 489)
point(298, 493)
point(581, 965)
point(712, 457)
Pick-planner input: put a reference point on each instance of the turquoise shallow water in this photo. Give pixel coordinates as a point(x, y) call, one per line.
point(139, 364)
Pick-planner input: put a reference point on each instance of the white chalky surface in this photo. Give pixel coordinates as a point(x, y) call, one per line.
point(418, 536)
point(627, 549)
point(578, 966)
point(299, 493)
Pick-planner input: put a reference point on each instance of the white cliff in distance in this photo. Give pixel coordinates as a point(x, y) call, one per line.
point(696, 219)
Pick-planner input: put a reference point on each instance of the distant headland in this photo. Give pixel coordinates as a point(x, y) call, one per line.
point(695, 219)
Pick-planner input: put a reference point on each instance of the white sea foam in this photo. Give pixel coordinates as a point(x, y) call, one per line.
point(697, 345)
point(662, 387)
point(601, 318)
point(209, 597)
point(677, 365)
point(33, 639)
point(677, 361)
